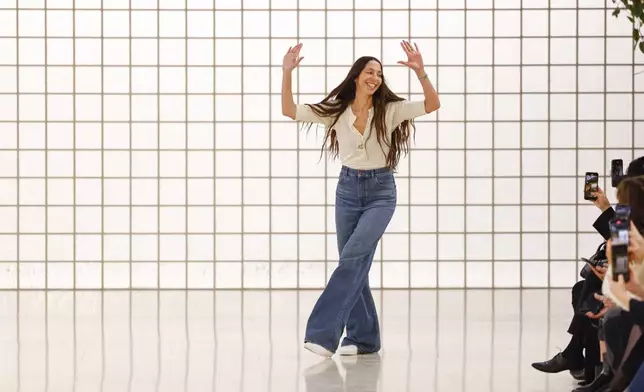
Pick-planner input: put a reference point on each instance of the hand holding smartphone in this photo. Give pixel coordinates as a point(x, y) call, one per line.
point(619, 234)
point(591, 184)
point(616, 172)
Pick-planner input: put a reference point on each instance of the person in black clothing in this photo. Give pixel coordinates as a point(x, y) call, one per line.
point(623, 327)
point(582, 328)
point(585, 334)
point(615, 319)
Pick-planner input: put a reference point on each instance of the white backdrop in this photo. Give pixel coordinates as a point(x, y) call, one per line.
point(142, 143)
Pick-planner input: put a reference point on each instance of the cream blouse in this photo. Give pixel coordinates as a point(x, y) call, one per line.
point(359, 151)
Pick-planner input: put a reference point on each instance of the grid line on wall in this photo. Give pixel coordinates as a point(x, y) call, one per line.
point(437, 144)
point(184, 230)
point(214, 168)
point(465, 238)
point(46, 255)
point(421, 149)
point(230, 233)
point(520, 142)
point(263, 37)
point(287, 122)
point(102, 148)
point(577, 133)
point(18, 228)
point(494, 162)
point(408, 209)
point(633, 95)
point(117, 206)
point(343, 66)
point(130, 253)
point(319, 92)
point(605, 111)
point(382, 239)
point(325, 154)
point(187, 143)
point(270, 159)
point(159, 142)
point(295, 9)
point(549, 136)
point(243, 225)
point(318, 261)
point(74, 243)
point(297, 181)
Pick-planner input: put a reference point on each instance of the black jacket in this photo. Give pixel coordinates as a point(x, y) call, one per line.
point(602, 223)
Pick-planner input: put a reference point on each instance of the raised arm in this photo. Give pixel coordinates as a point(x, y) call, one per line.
point(290, 109)
point(415, 63)
point(291, 61)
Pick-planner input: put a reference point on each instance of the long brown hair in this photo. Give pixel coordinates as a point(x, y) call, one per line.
point(341, 97)
point(630, 191)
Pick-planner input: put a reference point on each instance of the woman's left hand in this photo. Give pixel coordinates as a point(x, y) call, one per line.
point(414, 58)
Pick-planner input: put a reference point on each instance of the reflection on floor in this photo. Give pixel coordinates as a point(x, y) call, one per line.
point(451, 340)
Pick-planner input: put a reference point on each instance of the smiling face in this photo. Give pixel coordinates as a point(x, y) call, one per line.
point(370, 78)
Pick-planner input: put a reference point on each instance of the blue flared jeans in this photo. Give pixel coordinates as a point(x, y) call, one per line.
point(365, 202)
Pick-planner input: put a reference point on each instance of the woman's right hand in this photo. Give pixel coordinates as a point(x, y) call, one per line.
point(601, 201)
point(608, 303)
point(292, 58)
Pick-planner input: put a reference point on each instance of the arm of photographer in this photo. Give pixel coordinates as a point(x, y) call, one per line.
point(608, 213)
point(601, 224)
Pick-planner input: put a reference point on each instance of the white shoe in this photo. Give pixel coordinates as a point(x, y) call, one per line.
point(348, 350)
point(317, 349)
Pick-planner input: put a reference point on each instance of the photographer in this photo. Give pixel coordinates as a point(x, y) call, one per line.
point(610, 316)
point(589, 308)
point(583, 328)
point(635, 169)
point(623, 324)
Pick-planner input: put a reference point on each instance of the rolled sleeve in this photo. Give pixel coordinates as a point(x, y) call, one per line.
point(304, 113)
point(406, 110)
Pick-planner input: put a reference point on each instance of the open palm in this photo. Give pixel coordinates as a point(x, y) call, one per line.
point(292, 58)
point(414, 58)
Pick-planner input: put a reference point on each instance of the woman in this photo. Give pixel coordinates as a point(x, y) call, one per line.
point(624, 350)
point(368, 127)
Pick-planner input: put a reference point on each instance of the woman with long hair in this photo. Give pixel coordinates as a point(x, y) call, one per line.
point(368, 127)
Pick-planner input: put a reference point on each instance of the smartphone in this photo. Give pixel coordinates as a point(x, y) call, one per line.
point(590, 185)
point(622, 211)
point(616, 171)
point(619, 234)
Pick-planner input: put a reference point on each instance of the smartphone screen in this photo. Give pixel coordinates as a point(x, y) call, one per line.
point(616, 171)
point(590, 185)
point(622, 211)
point(619, 234)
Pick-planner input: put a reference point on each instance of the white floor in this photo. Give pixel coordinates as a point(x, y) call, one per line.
point(476, 340)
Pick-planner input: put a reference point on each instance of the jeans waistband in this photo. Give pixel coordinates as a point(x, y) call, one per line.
point(347, 171)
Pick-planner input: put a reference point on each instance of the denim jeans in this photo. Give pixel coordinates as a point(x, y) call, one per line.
point(365, 202)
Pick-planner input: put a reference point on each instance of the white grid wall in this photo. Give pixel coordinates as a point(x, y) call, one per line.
point(142, 143)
